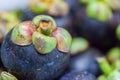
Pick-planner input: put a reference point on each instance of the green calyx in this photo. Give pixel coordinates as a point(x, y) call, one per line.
point(37, 6)
point(41, 6)
point(43, 17)
point(43, 33)
point(99, 10)
point(22, 33)
point(118, 32)
point(7, 76)
point(43, 44)
point(64, 39)
point(78, 45)
point(44, 24)
point(113, 54)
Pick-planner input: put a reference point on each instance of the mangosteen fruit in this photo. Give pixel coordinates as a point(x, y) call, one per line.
point(86, 61)
point(37, 49)
point(96, 21)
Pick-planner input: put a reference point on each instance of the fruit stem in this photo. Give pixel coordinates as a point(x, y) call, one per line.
point(45, 27)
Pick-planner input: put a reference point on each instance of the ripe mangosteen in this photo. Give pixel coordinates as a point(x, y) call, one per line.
point(36, 50)
point(77, 75)
point(97, 22)
point(86, 61)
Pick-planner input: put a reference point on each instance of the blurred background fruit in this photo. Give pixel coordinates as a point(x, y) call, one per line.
point(93, 24)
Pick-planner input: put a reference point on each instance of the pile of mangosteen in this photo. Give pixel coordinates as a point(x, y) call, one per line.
point(61, 40)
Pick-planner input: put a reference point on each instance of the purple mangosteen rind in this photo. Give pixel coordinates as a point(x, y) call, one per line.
point(24, 61)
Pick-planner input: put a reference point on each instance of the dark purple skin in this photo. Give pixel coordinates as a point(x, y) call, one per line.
point(74, 5)
point(77, 75)
point(100, 34)
point(27, 64)
point(86, 62)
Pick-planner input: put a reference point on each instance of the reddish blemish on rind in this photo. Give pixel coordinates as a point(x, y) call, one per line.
point(31, 28)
